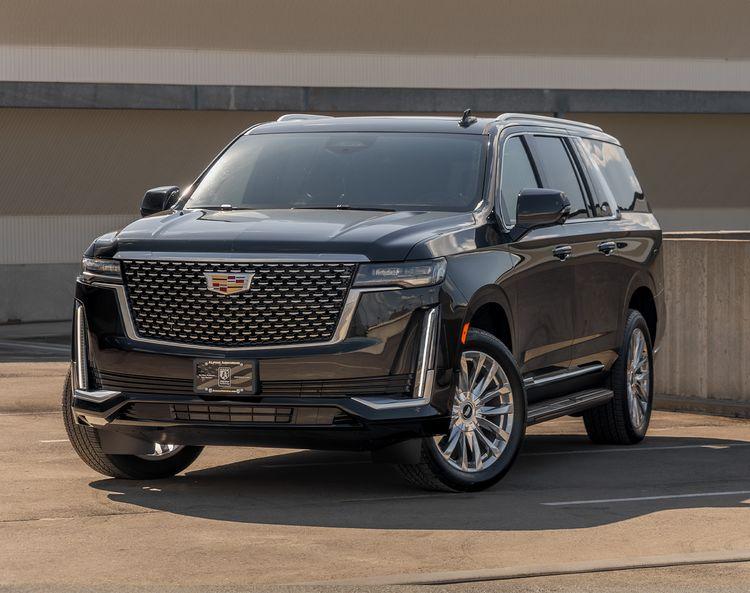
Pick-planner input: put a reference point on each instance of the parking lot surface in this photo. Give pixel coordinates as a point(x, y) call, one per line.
point(671, 514)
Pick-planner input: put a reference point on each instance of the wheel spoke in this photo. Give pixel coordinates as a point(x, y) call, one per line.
point(464, 457)
point(478, 365)
point(475, 449)
point(493, 448)
point(504, 390)
point(453, 438)
point(488, 377)
point(485, 397)
point(632, 355)
point(497, 410)
point(463, 376)
point(493, 428)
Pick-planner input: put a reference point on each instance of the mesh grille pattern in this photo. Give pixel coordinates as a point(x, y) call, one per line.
point(287, 303)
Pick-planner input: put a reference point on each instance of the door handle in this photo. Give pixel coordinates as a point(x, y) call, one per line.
point(563, 252)
point(607, 247)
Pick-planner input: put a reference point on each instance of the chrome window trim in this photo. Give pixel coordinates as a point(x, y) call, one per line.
point(497, 193)
point(613, 206)
point(558, 134)
point(345, 319)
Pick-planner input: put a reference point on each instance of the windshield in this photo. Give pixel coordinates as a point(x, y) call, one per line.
point(365, 170)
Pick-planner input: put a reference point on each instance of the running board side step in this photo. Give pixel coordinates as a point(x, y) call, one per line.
point(568, 404)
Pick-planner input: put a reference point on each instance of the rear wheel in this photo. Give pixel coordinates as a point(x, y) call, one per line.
point(624, 419)
point(486, 426)
point(164, 462)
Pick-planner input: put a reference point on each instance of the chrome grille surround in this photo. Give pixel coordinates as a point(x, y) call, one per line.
point(287, 303)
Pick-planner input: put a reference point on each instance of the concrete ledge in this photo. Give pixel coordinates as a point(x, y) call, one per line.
point(714, 407)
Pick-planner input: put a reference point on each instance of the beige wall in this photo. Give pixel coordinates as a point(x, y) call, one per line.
point(99, 162)
point(671, 28)
point(693, 168)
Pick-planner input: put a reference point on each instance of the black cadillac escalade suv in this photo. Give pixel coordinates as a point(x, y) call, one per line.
point(420, 287)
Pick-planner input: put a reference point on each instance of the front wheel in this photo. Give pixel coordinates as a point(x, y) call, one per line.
point(487, 424)
point(164, 462)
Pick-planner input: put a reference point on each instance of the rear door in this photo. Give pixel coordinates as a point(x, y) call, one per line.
point(610, 251)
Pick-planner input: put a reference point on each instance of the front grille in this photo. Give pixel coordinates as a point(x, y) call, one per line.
point(287, 303)
point(386, 385)
point(236, 413)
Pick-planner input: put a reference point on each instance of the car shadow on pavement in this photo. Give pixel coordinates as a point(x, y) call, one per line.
point(324, 489)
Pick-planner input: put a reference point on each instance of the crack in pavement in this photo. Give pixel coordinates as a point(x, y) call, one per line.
point(83, 516)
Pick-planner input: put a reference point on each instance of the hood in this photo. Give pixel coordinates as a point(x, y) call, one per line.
point(379, 236)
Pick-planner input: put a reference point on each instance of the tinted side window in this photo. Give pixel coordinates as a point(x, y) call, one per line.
point(517, 174)
point(615, 167)
point(559, 172)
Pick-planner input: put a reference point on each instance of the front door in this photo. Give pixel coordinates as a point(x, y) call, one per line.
point(541, 284)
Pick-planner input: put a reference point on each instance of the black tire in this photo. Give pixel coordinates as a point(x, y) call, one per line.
point(85, 441)
point(611, 424)
point(433, 472)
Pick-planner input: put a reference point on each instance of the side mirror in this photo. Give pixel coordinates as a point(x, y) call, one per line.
point(541, 207)
point(159, 199)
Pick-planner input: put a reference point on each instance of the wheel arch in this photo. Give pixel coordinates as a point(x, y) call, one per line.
point(642, 299)
point(490, 310)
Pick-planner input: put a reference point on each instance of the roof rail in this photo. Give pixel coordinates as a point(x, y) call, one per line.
point(301, 116)
point(507, 117)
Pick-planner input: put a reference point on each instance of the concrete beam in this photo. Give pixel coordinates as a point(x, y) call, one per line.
point(67, 95)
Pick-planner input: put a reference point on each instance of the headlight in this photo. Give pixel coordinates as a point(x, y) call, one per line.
point(406, 274)
point(102, 270)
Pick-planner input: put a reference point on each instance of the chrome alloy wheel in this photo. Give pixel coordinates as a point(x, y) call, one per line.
point(162, 451)
point(638, 378)
point(482, 415)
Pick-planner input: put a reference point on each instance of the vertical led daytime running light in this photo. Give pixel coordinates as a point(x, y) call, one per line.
point(82, 365)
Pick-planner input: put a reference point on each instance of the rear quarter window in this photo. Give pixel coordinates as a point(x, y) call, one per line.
point(610, 160)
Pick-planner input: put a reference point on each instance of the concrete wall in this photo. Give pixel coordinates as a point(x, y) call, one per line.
point(37, 292)
point(704, 363)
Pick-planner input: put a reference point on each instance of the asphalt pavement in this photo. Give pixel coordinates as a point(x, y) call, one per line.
point(671, 514)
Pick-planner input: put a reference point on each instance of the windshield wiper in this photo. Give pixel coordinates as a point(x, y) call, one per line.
point(220, 207)
point(343, 207)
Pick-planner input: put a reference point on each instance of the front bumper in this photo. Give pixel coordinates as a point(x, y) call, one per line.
point(130, 423)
